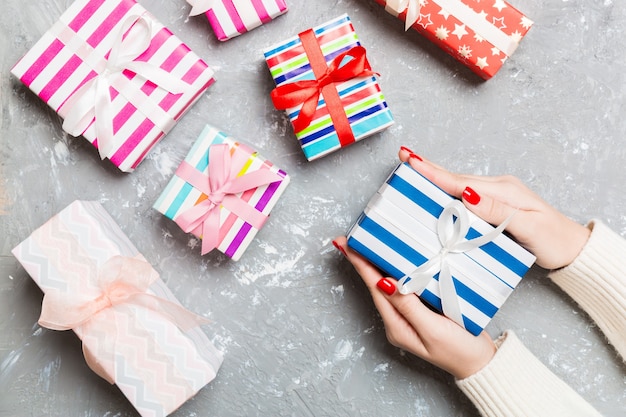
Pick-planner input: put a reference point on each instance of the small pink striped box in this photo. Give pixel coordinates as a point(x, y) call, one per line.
point(116, 76)
point(230, 18)
point(156, 355)
point(235, 232)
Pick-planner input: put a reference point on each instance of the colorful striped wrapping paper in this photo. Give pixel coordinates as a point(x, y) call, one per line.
point(157, 365)
point(397, 232)
point(364, 103)
point(73, 52)
point(230, 18)
point(468, 30)
point(179, 195)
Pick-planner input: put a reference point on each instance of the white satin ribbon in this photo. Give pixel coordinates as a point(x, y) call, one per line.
point(462, 12)
point(412, 8)
point(93, 99)
point(201, 6)
point(451, 235)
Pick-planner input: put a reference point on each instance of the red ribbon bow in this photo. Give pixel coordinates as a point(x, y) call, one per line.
point(220, 186)
point(307, 92)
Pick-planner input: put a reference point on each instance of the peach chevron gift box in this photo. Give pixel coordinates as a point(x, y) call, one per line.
point(134, 332)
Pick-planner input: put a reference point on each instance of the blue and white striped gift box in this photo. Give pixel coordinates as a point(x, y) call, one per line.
point(397, 232)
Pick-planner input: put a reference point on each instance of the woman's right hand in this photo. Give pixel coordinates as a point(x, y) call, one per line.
point(552, 237)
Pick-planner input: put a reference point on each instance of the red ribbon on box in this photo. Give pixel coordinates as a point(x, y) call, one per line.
point(121, 280)
point(220, 187)
point(307, 92)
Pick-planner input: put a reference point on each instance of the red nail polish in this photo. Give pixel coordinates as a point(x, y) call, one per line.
point(386, 286)
point(404, 148)
point(414, 156)
point(339, 248)
point(471, 196)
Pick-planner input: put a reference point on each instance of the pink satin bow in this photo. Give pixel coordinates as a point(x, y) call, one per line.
point(121, 281)
point(220, 186)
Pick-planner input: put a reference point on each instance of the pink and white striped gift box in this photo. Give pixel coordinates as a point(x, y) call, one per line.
point(230, 18)
point(157, 363)
point(119, 75)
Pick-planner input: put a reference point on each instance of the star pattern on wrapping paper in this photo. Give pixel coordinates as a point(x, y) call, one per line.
point(481, 62)
point(498, 22)
point(424, 20)
point(483, 14)
point(495, 51)
point(444, 13)
point(526, 22)
point(516, 36)
point(478, 38)
point(465, 51)
point(499, 4)
point(459, 31)
point(442, 33)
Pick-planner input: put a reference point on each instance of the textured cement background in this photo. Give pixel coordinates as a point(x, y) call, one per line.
point(298, 329)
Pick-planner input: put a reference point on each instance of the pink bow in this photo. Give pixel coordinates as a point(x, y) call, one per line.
point(220, 186)
point(121, 281)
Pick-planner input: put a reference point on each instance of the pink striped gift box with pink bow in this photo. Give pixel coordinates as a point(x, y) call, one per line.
point(230, 18)
point(116, 76)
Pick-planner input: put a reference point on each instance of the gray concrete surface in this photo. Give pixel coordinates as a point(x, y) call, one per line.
point(298, 329)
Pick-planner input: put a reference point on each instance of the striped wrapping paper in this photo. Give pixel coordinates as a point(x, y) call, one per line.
point(179, 195)
point(397, 232)
point(157, 365)
point(230, 18)
point(364, 104)
point(73, 52)
point(480, 35)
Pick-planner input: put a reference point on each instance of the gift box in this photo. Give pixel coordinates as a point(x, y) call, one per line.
point(427, 240)
point(115, 75)
point(223, 192)
point(480, 35)
point(230, 18)
point(133, 330)
point(325, 84)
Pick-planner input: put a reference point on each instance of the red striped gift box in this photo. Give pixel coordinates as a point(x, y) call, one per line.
point(116, 76)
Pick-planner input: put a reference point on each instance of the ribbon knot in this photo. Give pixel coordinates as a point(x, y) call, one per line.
point(412, 8)
point(116, 293)
point(307, 92)
point(120, 281)
point(92, 100)
point(220, 188)
point(201, 6)
point(452, 227)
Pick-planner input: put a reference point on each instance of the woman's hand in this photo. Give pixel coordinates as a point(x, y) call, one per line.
point(552, 237)
point(412, 326)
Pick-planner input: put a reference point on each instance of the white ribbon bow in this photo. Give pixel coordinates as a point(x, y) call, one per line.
point(201, 6)
point(412, 8)
point(93, 99)
point(451, 235)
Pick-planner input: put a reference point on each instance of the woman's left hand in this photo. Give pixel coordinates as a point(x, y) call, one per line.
point(412, 326)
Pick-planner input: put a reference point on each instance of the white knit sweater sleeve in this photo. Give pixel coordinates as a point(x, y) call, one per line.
point(596, 280)
point(515, 383)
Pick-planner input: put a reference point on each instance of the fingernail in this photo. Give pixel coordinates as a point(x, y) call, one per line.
point(386, 286)
point(471, 196)
point(414, 156)
point(404, 148)
point(339, 248)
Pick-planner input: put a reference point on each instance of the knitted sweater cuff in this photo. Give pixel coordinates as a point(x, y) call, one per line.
point(515, 383)
point(596, 280)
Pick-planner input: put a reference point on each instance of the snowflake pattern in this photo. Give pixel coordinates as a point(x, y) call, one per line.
point(468, 43)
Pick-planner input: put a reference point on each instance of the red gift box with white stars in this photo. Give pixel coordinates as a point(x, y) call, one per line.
point(481, 34)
